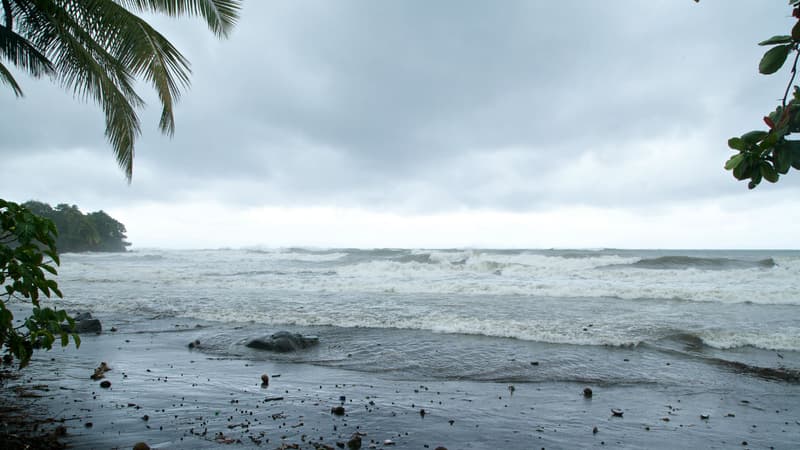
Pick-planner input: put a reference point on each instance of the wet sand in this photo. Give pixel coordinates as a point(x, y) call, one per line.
point(170, 396)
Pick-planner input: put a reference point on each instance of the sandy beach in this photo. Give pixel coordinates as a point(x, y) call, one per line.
point(168, 395)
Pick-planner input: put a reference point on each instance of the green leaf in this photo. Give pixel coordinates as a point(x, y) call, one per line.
point(737, 144)
point(754, 136)
point(781, 39)
point(734, 161)
point(796, 31)
point(773, 59)
point(783, 159)
point(768, 172)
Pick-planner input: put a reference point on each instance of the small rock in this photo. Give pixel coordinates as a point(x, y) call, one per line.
point(264, 380)
point(440, 448)
point(145, 417)
point(616, 412)
point(744, 442)
point(338, 410)
point(422, 413)
point(105, 384)
point(194, 344)
point(587, 392)
point(88, 424)
point(354, 443)
point(595, 430)
point(60, 430)
point(141, 446)
point(534, 363)
point(705, 416)
point(511, 389)
point(113, 329)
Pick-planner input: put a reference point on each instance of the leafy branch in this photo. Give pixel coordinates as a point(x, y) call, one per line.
point(28, 257)
point(766, 155)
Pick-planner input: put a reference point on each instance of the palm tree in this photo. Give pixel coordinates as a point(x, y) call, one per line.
point(98, 48)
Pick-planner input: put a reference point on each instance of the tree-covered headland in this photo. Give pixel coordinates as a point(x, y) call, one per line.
point(79, 232)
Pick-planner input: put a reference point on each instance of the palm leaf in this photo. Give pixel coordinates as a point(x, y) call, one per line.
point(21, 53)
point(7, 78)
point(86, 67)
point(145, 52)
point(220, 15)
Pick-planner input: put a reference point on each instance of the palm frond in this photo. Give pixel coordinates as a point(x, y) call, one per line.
point(7, 78)
point(85, 66)
point(220, 15)
point(146, 53)
point(17, 50)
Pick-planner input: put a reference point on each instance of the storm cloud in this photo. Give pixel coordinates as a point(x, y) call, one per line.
point(427, 108)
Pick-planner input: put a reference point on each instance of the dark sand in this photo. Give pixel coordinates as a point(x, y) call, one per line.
point(169, 396)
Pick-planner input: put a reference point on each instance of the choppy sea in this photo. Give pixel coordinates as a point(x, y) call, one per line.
point(601, 316)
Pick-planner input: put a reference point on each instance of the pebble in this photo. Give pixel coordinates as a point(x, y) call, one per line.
point(587, 392)
point(595, 430)
point(141, 446)
point(264, 380)
point(105, 384)
point(338, 410)
point(354, 443)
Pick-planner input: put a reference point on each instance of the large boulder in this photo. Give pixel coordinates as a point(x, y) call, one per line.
point(283, 342)
point(84, 324)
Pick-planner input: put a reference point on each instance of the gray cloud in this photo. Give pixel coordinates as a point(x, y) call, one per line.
point(422, 106)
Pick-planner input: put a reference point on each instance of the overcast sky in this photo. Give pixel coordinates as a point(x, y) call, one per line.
point(434, 124)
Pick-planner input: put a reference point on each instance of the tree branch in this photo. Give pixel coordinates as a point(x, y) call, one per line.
point(794, 73)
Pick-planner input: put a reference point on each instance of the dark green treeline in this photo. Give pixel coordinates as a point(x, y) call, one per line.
point(79, 232)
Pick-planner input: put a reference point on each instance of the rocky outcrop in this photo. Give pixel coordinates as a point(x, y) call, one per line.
point(283, 342)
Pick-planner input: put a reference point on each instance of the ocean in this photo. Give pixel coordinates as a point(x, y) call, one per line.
point(602, 316)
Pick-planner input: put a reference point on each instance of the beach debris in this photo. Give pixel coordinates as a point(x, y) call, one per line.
point(534, 363)
point(145, 417)
point(440, 448)
point(194, 344)
point(422, 413)
point(595, 430)
point(113, 329)
point(105, 384)
point(100, 371)
point(705, 416)
point(337, 410)
point(388, 442)
point(511, 389)
point(355, 442)
point(616, 412)
point(272, 399)
point(587, 392)
point(264, 380)
point(141, 446)
point(342, 398)
point(451, 422)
